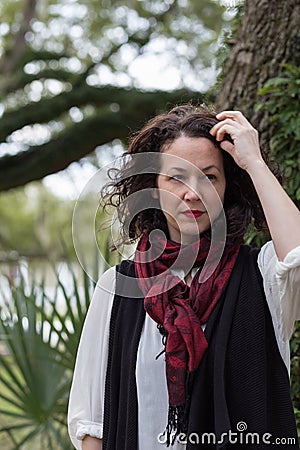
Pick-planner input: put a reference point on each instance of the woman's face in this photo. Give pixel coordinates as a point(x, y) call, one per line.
point(191, 187)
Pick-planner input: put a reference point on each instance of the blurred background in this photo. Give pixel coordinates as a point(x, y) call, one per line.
point(76, 79)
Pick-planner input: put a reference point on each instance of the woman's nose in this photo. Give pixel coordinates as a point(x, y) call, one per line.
point(191, 194)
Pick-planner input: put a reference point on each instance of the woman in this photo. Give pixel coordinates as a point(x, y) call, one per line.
point(188, 344)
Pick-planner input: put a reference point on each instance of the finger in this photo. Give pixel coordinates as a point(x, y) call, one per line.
point(225, 128)
point(227, 146)
point(235, 115)
point(220, 124)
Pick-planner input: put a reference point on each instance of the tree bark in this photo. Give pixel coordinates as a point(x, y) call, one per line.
point(268, 37)
point(12, 57)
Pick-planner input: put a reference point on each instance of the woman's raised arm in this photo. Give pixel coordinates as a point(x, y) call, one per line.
point(282, 215)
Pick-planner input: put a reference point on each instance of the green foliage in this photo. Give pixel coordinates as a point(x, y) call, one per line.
point(256, 238)
point(281, 97)
point(39, 337)
point(97, 32)
point(228, 39)
point(57, 59)
point(295, 371)
point(35, 223)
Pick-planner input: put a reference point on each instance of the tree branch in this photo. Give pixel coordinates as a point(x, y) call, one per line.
point(82, 138)
point(52, 108)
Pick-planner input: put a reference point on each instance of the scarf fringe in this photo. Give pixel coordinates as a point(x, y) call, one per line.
point(164, 334)
point(177, 423)
point(178, 416)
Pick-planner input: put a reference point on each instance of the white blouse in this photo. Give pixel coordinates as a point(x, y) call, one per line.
point(86, 404)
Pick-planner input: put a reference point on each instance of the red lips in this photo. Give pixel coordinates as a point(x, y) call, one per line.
point(194, 213)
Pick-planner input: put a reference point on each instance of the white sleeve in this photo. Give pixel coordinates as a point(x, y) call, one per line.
point(282, 288)
point(86, 403)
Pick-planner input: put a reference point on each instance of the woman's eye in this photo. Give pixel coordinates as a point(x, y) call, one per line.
point(211, 177)
point(177, 177)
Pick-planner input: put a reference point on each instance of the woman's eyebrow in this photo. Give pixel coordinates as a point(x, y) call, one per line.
point(210, 167)
point(182, 169)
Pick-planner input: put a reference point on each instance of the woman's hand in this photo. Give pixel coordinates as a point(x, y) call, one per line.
point(282, 215)
point(91, 443)
point(245, 149)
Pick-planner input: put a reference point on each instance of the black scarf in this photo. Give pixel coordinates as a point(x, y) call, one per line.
point(242, 377)
point(180, 310)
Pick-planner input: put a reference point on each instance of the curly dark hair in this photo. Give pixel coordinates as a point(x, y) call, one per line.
point(241, 203)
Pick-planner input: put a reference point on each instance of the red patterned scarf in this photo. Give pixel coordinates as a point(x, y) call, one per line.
point(180, 310)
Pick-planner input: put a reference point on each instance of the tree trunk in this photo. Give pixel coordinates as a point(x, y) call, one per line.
point(12, 57)
point(268, 36)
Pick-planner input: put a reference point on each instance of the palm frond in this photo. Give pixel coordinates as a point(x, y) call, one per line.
point(40, 336)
